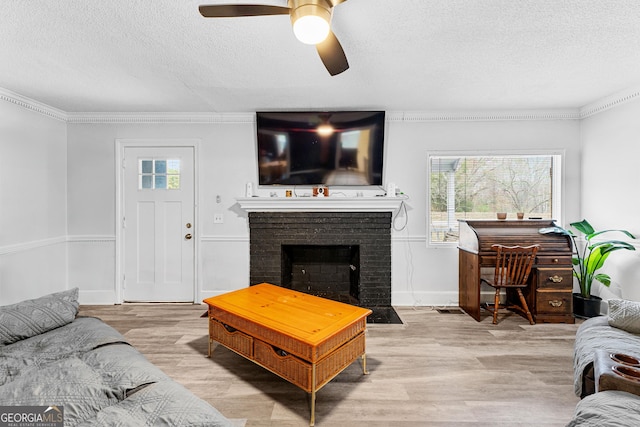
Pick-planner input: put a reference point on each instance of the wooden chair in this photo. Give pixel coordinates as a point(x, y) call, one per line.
point(513, 265)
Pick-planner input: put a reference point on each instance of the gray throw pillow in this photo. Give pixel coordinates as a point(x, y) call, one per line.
point(625, 315)
point(36, 316)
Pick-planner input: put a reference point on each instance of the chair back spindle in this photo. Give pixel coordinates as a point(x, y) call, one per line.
point(513, 264)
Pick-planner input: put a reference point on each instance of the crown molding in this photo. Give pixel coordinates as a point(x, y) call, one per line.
point(586, 111)
point(393, 116)
point(219, 118)
point(609, 102)
point(32, 104)
point(482, 116)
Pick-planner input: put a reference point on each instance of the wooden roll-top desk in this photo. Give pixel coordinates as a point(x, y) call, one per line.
point(549, 295)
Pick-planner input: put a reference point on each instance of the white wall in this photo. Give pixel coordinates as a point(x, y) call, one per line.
point(429, 276)
point(33, 168)
point(420, 276)
point(225, 165)
point(59, 187)
point(611, 176)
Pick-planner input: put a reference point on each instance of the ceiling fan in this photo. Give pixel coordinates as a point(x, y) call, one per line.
point(311, 24)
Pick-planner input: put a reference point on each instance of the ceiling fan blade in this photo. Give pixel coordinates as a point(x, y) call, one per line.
point(332, 55)
point(233, 10)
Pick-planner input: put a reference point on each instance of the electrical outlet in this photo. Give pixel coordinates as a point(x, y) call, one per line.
point(218, 218)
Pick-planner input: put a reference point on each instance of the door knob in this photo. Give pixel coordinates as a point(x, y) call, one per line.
point(188, 236)
point(188, 225)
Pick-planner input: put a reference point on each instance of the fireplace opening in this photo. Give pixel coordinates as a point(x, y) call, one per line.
point(328, 271)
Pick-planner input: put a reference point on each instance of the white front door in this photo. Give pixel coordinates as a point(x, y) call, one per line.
point(158, 224)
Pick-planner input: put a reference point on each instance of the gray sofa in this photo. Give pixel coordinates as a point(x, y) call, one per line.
point(617, 332)
point(87, 370)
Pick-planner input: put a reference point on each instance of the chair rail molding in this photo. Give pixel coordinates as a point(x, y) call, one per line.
point(224, 239)
point(92, 238)
point(34, 244)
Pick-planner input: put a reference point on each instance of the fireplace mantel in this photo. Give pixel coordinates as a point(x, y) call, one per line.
point(320, 204)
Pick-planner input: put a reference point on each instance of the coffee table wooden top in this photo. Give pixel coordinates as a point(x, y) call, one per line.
point(307, 318)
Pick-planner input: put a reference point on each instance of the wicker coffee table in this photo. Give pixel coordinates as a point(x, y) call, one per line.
point(306, 340)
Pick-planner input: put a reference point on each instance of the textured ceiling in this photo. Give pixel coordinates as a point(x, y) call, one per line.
point(405, 55)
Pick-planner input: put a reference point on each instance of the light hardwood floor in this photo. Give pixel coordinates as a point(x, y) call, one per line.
point(434, 370)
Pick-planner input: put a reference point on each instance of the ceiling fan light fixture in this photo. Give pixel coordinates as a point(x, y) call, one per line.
point(310, 19)
point(311, 22)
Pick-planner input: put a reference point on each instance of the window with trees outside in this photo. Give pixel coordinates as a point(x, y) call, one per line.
point(478, 186)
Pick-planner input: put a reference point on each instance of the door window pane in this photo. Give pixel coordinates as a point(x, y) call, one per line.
point(146, 181)
point(173, 182)
point(161, 166)
point(173, 166)
point(159, 174)
point(161, 181)
point(146, 166)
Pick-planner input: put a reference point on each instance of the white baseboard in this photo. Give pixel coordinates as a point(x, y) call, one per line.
point(424, 298)
point(100, 297)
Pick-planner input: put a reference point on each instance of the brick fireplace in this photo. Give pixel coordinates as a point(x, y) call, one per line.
point(344, 256)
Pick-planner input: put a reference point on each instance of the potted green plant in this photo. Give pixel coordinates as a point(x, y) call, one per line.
point(587, 260)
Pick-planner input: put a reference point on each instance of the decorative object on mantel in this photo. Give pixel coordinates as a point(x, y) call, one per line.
point(587, 260)
point(320, 191)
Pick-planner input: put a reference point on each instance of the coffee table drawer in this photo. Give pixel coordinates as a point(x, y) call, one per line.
point(300, 372)
point(231, 338)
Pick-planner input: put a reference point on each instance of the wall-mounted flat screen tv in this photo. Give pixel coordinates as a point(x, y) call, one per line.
point(339, 148)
